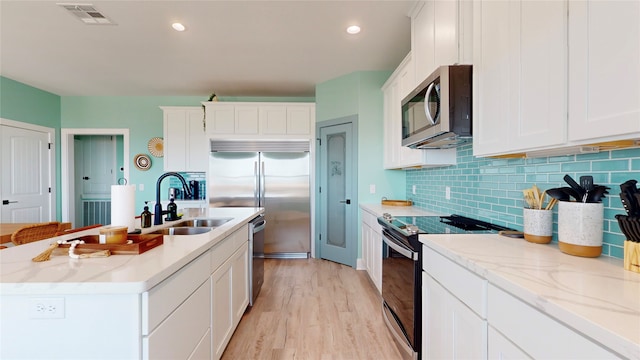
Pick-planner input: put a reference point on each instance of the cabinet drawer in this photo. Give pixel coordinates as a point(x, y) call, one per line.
point(182, 332)
point(463, 284)
point(164, 298)
point(224, 249)
point(536, 333)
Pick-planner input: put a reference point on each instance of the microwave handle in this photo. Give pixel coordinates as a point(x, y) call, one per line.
point(431, 88)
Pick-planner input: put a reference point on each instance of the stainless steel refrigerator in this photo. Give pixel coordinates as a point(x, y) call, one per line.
point(269, 174)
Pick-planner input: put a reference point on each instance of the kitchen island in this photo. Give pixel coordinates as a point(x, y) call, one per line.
point(179, 300)
point(520, 299)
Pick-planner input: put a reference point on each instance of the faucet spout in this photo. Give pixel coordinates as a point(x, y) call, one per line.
point(157, 214)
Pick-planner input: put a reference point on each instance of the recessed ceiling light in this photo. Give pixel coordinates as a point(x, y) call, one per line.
point(177, 26)
point(353, 29)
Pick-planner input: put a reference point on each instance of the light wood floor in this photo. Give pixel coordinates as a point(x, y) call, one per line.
point(313, 309)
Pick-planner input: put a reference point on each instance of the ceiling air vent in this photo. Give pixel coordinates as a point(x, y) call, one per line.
point(87, 13)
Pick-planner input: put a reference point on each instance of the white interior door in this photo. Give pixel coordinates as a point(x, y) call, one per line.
point(26, 175)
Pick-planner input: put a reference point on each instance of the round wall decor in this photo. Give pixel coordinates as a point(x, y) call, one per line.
point(156, 146)
point(142, 162)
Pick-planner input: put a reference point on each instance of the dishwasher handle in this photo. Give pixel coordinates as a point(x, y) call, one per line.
point(257, 227)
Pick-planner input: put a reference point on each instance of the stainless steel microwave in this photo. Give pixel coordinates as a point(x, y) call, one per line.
point(437, 114)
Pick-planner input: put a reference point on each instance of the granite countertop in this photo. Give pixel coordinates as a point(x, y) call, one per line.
point(115, 274)
point(379, 209)
point(594, 296)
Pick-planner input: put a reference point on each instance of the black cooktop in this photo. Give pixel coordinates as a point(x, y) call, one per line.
point(453, 224)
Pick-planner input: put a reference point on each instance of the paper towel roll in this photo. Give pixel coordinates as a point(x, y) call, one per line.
point(123, 206)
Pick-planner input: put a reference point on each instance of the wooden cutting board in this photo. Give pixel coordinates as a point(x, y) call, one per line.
point(397, 202)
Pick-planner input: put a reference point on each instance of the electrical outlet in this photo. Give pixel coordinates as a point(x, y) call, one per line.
point(372, 188)
point(141, 187)
point(46, 308)
point(447, 193)
point(413, 189)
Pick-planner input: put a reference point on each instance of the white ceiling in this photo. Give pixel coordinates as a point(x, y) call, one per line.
point(235, 48)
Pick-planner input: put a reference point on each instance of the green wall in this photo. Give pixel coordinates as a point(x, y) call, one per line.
point(24, 103)
point(360, 94)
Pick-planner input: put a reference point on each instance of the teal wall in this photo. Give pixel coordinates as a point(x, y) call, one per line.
point(491, 189)
point(24, 103)
point(360, 94)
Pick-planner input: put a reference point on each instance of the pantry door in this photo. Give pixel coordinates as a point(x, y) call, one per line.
point(27, 174)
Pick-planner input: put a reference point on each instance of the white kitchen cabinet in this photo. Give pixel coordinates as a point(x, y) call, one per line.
point(185, 143)
point(397, 156)
point(501, 348)
point(604, 70)
point(230, 287)
point(519, 75)
point(535, 333)
point(372, 248)
point(440, 35)
point(249, 120)
point(453, 316)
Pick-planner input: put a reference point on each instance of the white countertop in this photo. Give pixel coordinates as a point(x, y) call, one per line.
point(594, 296)
point(379, 209)
point(115, 274)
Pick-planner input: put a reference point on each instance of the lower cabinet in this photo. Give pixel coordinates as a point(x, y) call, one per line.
point(372, 248)
point(466, 317)
point(230, 291)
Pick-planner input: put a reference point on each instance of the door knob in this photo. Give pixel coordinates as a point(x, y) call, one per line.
point(7, 202)
point(85, 178)
point(347, 201)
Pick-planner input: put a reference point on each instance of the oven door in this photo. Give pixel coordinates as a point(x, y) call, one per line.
point(401, 292)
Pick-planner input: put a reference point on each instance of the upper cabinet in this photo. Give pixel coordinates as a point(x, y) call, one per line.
point(265, 120)
point(519, 81)
point(396, 156)
point(440, 35)
point(604, 70)
point(185, 143)
point(569, 86)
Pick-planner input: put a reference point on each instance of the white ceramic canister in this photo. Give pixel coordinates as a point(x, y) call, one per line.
point(538, 225)
point(580, 228)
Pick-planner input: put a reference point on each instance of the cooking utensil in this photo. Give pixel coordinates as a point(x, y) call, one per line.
point(575, 186)
point(628, 196)
point(586, 182)
point(558, 194)
point(597, 194)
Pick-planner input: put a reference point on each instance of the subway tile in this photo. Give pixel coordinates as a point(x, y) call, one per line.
point(576, 166)
point(610, 165)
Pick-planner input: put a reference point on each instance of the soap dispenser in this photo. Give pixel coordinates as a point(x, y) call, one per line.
point(145, 217)
point(172, 211)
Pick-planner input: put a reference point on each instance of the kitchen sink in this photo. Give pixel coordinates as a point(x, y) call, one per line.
point(182, 230)
point(207, 223)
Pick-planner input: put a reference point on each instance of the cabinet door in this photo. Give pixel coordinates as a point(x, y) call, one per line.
point(197, 146)
point(376, 257)
point(500, 347)
point(450, 329)
point(519, 88)
point(246, 119)
point(604, 69)
point(240, 282)
point(423, 39)
point(273, 119)
point(445, 35)
point(299, 119)
point(221, 309)
point(220, 119)
point(175, 140)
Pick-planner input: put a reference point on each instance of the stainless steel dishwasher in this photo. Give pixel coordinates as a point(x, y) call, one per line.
point(256, 247)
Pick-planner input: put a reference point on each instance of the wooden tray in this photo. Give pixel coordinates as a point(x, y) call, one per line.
point(141, 243)
point(397, 202)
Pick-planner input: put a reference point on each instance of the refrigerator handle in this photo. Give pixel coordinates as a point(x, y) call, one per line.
point(262, 189)
point(256, 181)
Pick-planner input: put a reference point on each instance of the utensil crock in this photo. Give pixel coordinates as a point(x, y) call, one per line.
point(538, 225)
point(580, 228)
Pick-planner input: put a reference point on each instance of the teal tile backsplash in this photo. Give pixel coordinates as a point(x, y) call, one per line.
point(491, 189)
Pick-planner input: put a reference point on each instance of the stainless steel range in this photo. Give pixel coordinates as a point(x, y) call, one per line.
point(402, 270)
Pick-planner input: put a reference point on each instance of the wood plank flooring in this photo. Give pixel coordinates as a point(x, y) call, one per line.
point(313, 309)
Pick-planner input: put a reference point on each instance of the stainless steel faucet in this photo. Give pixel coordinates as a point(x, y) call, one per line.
point(157, 214)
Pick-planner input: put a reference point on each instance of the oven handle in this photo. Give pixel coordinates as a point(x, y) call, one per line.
point(401, 249)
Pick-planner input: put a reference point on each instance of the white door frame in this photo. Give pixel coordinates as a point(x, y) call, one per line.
point(52, 157)
point(67, 164)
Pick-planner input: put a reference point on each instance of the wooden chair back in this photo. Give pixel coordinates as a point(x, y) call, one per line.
point(35, 232)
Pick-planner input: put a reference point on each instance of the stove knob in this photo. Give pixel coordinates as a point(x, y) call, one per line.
point(387, 216)
point(412, 229)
